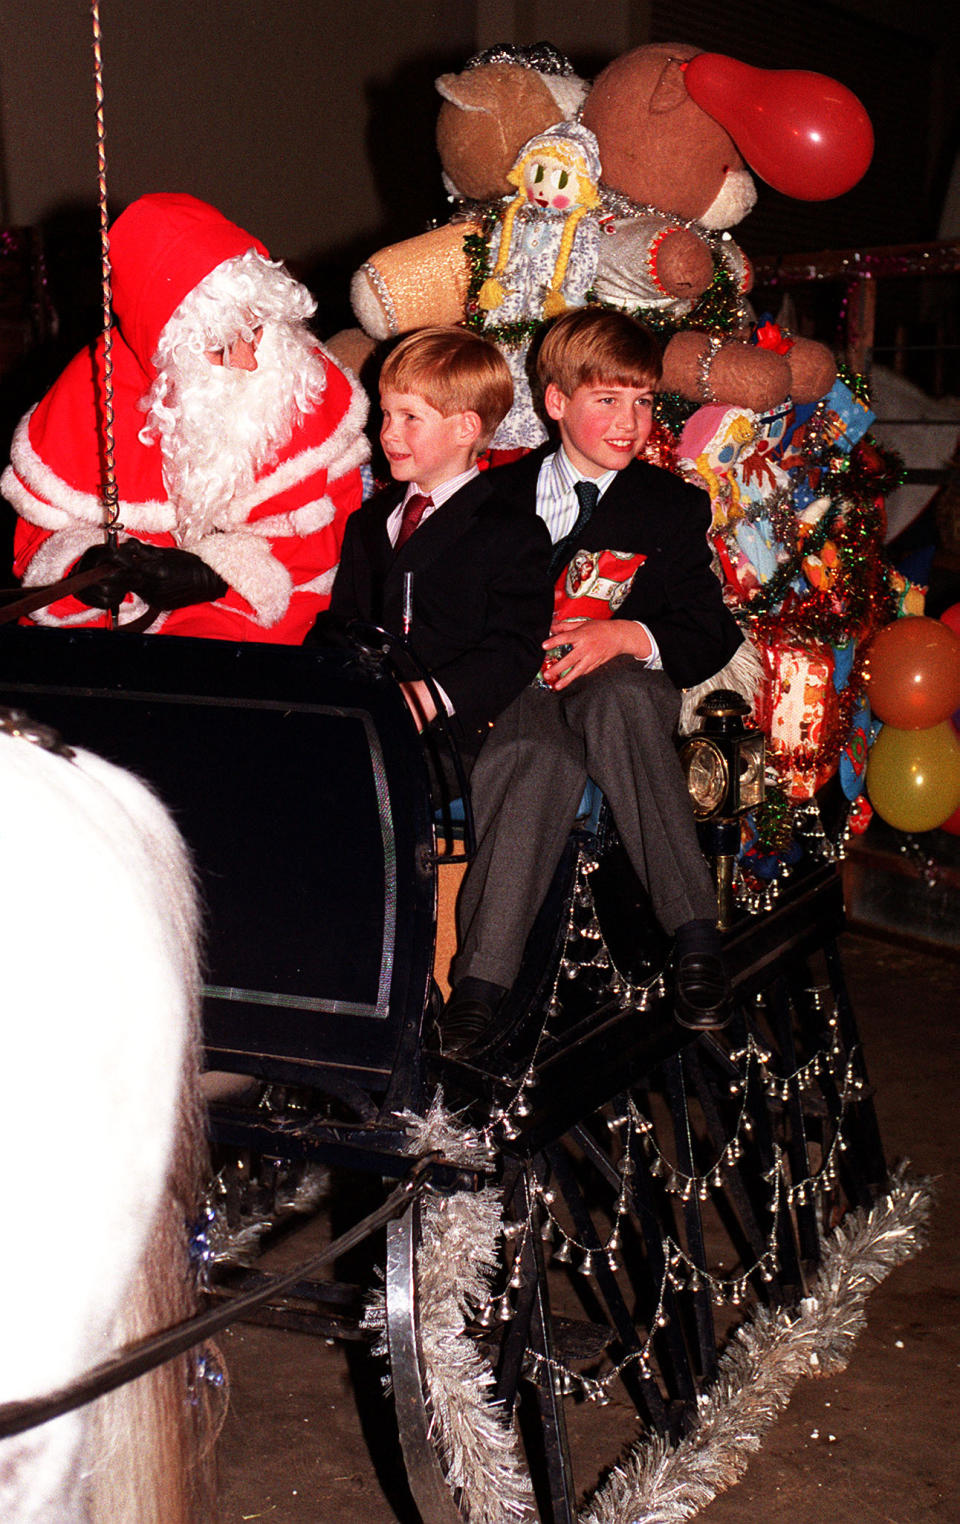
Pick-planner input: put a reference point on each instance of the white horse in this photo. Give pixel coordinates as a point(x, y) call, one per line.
point(100, 1137)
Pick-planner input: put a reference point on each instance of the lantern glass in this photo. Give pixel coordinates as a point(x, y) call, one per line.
point(707, 774)
point(751, 772)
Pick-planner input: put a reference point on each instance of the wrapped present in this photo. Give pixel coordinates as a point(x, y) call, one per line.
point(846, 419)
point(798, 712)
point(592, 586)
point(853, 757)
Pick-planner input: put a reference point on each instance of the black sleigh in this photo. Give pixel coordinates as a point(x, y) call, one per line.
point(640, 1191)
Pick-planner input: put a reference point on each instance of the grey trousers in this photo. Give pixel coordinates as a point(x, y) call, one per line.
point(616, 725)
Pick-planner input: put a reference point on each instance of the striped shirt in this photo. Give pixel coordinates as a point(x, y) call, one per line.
point(557, 502)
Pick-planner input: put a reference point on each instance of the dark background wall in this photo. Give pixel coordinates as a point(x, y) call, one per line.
point(311, 121)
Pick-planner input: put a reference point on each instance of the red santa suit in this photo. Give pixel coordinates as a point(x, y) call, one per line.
point(277, 546)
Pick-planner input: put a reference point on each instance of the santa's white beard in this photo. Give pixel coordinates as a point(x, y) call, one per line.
point(219, 427)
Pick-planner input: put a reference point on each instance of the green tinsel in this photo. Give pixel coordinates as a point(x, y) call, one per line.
point(855, 380)
point(717, 311)
point(719, 308)
point(672, 411)
point(773, 819)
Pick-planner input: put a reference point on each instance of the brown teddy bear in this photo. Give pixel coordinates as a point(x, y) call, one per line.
point(673, 180)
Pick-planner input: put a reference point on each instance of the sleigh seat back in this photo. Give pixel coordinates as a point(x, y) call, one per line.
point(295, 777)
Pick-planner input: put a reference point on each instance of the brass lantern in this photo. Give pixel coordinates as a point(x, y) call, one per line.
point(724, 767)
point(724, 761)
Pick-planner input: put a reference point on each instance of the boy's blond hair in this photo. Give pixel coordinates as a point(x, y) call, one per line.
point(455, 371)
point(593, 346)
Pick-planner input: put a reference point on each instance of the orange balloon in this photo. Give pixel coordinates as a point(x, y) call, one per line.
point(913, 673)
point(913, 776)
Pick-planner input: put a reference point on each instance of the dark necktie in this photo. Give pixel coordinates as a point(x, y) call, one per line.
point(588, 495)
point(413, 510)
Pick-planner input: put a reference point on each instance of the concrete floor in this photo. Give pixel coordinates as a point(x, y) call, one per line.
point(878, 1443)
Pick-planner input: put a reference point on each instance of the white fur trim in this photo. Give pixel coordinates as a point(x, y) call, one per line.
point(568, 90)
point(43, 498)
point(735, 198)
point(301, 522)
point(58, 553)
point(343, 445)
point(743, 673)
point(353, 457)
point(54, 559)
point(371, 301)
point(247, 563)
point(319, 584)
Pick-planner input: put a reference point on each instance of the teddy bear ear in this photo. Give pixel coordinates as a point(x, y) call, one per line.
point(670, 91)
point(489, 111)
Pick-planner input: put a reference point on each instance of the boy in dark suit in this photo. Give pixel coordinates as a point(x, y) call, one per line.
point(481, 589)
point(638, 615)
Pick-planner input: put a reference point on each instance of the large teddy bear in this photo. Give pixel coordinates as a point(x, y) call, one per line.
point(664, 118)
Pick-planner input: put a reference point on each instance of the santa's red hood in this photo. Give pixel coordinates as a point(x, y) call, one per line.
point(160, 248)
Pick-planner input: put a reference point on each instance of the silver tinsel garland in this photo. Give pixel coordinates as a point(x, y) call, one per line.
point(661, 1483)
point(658, 1483)
point(457, 1259)
point(220, 1244)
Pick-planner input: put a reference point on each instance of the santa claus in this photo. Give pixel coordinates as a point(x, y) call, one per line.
point(238, 442)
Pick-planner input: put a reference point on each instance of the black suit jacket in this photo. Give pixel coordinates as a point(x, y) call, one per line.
point(482, 594)
point(675, 593)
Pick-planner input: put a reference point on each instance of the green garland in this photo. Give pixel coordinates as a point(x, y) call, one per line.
point(773, 822)
point(476, 247)
point(672, 411)
point(717, 310)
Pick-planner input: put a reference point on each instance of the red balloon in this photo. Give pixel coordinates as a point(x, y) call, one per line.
point(951, 618)
point(952, 823)
point(913, 673)
point(805, 134)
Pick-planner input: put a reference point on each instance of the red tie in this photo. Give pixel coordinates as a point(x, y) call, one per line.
point(413, 510)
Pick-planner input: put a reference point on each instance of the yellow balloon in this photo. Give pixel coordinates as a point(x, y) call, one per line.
point(913, 776)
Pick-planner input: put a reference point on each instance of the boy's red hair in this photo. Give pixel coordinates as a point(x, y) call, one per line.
point(455, 371)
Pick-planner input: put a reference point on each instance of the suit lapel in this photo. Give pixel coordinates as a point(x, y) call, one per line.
point(441, 529)
point(518, 481)
point(373, 531)
point(624, 512)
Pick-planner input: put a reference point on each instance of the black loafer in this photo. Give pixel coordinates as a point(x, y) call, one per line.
point(702, 995)
point(464, 1022)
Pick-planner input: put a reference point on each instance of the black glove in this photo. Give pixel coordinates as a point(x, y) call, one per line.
point(164, 577)
point(110, 592)
point(167, 578)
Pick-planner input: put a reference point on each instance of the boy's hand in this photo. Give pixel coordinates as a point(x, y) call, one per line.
point(419, 702)
point(591, 642)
